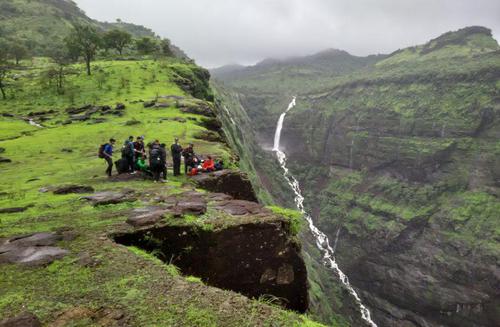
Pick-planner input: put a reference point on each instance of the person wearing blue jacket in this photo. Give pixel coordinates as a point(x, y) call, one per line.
point(108, 155)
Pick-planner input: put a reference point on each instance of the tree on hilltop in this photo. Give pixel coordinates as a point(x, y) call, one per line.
point(117, 39)
point(84, 40)
point(146, 45)
point(18, 50)
point(57, 75)
point(165, 47)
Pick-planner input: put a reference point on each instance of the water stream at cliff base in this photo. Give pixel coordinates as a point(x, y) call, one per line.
point(322, 241)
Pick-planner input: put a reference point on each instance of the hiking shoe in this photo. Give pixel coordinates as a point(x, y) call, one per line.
point(163, 181)
point(133, 173)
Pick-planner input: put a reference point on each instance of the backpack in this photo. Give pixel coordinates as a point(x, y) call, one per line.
point(126, 150)
point(100, 153)
point(121, 166)
point(155, 157)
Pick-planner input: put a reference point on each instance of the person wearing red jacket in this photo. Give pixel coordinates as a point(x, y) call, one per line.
point(208, 165)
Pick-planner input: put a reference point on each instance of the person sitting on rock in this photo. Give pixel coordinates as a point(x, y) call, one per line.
point(188, 154)
point(142, 166)
point(208, 165)
point(219, 165)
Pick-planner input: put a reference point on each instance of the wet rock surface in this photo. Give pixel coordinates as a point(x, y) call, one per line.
point(111, 197)
point(25, 319)
point(70, 189)
point(233, 183)
point(32, 250)
point(188, 203)
point(146, 216)
point(240, 207)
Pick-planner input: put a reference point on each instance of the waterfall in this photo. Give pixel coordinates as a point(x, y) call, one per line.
point(322, 241)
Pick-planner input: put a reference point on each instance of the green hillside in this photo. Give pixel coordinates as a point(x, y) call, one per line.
point(45, 23)
point(100, 282)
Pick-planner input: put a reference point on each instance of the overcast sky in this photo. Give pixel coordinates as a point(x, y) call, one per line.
point(218, 32)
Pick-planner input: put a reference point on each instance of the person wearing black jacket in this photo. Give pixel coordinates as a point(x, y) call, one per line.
point(155, 160)
point(176, 150)
point(188, 155)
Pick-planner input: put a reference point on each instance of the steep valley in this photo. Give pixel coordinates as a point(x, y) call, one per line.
point(398, 161)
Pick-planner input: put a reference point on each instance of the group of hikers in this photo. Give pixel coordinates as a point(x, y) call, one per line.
point(151, 159)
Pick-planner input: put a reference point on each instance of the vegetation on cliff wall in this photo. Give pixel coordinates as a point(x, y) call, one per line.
point(399, 158)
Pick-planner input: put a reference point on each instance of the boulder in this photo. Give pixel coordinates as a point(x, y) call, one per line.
point(25, 319)
point(132, 122)
point(149, 104)
point(191, 206)
point(109, 197)
point(14, 209)
point(197, 109)
point(69, 189)
point(240, 207)
point(75, 111)
point(97, 121)
point(32, 250)
point(146, 216)
point(218, 197)
point(177, 119)
point(5, 160)
point(233, 183)
point(210, 123)
point(41, 113)
point(120, 106)
point(83, 117)
point(209, 136)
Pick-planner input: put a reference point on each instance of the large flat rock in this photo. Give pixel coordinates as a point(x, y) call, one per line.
point(111, 197)
point(69, 189)
point(32, 250)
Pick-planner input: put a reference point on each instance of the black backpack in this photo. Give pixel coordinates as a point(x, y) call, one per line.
point(155, 157)
point(126, 150)
point(100, 153)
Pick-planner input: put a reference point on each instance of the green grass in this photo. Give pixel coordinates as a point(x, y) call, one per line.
point(295, 218)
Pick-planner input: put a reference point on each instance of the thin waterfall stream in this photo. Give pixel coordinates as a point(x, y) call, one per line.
point(322, 241)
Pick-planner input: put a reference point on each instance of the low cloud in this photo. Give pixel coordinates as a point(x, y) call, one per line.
point(217, 32)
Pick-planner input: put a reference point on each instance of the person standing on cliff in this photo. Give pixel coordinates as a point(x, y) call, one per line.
point(107, 154)
point(188, 155)
point(176, 150)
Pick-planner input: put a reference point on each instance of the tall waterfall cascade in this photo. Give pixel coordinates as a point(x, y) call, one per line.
point(322, 242)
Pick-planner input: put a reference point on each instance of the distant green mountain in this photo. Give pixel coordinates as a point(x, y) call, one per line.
point(327, 64)
point(43, 23)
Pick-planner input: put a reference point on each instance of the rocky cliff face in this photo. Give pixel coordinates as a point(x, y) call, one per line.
point(400, 160)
